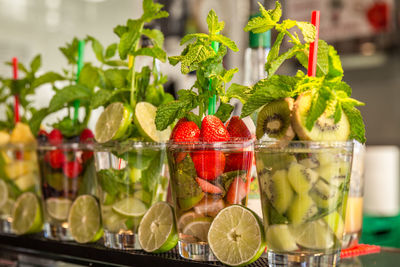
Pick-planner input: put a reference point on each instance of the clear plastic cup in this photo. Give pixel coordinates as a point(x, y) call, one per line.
point(205, 178)
point(132, 176)
point(304, 187)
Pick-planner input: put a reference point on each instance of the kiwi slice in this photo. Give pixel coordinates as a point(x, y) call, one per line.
point(334, 170)
point(277, 189)
point(310, 162)
point(324, 129)
point(274, 120)
point(277, 161)
point(301, 178)
point(324, 194)
point(301, 209)
point(280, 239)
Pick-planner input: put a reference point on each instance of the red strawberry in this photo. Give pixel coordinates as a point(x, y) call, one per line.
point(185, 131)
point(208, 187)
point(213, 130)
point(86, 136)
point(55, 137)
point(208, 164)
point(72, 169)
point(237, 128)
point(239, 161)
point(237, 191)
point(55, 158)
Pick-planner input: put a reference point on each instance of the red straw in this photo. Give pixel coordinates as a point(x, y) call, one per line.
point(15, 76)
point(312, 58)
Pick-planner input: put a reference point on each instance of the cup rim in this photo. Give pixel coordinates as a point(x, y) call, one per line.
point(127, 144)
point(233, 143)
point(19, 146)
point(66, 146)
point(281, 144)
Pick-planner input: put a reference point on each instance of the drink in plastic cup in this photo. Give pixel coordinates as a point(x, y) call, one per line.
point(354, 210)
point(131, 177)
point(19, 182)
point(304, 187)
point(68, 174)
point(205, 178)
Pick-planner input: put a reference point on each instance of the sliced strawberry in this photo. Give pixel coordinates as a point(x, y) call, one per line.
point(238, 161)
point(237, 191)
point(209, 164)
point(72, 169)
point(55, 158)
point(55, 137)
point(208, 187)
point(213, 130)
point(237, 128)
point(86, 136)
point(185, 131)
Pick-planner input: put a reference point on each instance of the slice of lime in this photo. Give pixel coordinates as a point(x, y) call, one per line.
point(145, 114)
point(3, 193)
point(84, 219)
point(157, 230)
point(58, 208)
point(198, 228)
point(27, 215)
point(314, 235)
point(236, 236)
point(113, 122)
point(131, 207)
point(7, 208)
point(186, 218)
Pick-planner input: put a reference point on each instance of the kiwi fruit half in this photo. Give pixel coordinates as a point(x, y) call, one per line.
point(274, 120)
point(324, 129)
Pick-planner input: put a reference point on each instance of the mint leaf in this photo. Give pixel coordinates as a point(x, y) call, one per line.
point(111, 50)
point(97, 48)
point(224, 112)
point(357, 127)
point(115, 78)
point(228, 76)
point(100, 98)
point(49, 77)
point(70, 51)
point(36, 63)
point(155, 35)
point(308, 31)
point(335, 65)
point(238, 91)
point(191, 36)
point(195, 118)
point(69, 94)
point(167, 113)
point(214, 26)
point(351, 101)
point(225, 41)
point(89, 77)
point(338, 112)
point(318, 106)
point(322, 58)
point(151, 175)
point(36, 120)
point(343, 87)
point(259, 25)
point(152, 11)
point(130, 38)
point(196, 55)
point(155, 52)
point(276, 13)
point(274, 52)
point(120, 30)
point(272, 67)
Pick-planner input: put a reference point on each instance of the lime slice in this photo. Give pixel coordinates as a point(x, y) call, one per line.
point(198, 228)
point(157, 230)
point(236, 236)
point(113, 122)
point(26, 181)
point(84, 219)
point(131, 207)
point(142, 195)
point(335, 223)
point(186, 218)
point(3, 193)
point(314, 235)
point(145, 114)
point(7, 207)
point(58, 208)
point(27, 215)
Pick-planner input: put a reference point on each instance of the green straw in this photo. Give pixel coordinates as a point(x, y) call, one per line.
point(81, 49)
point(212, 101)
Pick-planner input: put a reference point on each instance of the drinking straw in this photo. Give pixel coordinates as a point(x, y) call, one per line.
point(212, 101)
point(81, 49)
point(16, 97)
point(312, 58)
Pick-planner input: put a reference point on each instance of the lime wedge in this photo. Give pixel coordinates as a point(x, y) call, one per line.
point(58, 208)
point(314, 235)
point(131, 207)
point(113, 122)
point(198, 228)
point(186, 218)
point(145, 114)
point(84, 219)
point(236, 236)
point(27, 215)
point(3, 193)
point(157, 230)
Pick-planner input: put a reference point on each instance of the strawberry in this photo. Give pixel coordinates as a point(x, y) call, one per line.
point(213, 130)
point(86, 136)
point(237, 191)
point(185, 131)
point(237, 128)
point(208, 187)
point(72, 169)
point(55, 137)
point(55, 158)
point(209, 164)
point(238, 161)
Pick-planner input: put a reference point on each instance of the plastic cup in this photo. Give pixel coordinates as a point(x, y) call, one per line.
point(304, 187)
point(205, 178)
point(132, 176)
